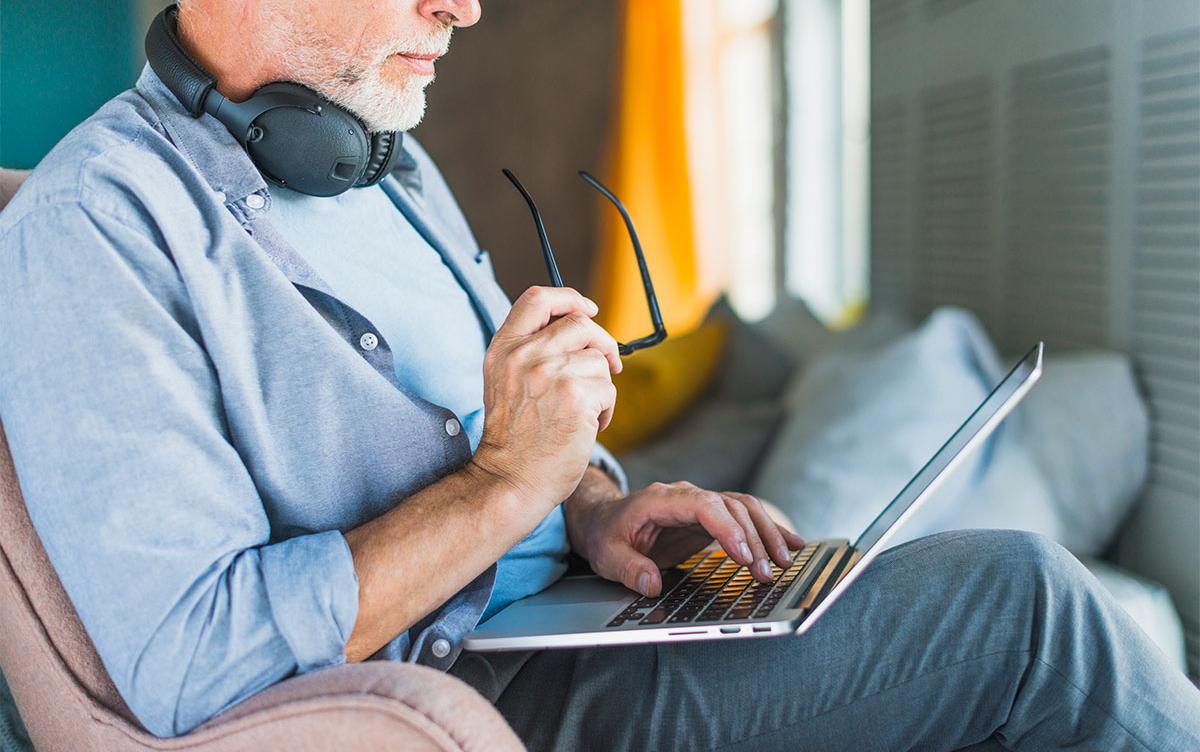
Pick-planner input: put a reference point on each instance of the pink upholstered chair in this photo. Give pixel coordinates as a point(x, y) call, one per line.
point(68, 702)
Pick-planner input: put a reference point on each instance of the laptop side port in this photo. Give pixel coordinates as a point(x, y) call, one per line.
point(730, 630)
point(762, 629)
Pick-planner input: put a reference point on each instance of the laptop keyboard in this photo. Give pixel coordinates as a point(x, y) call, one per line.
point(710, 587)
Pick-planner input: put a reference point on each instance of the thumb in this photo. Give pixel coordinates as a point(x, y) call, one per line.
point(636, 571)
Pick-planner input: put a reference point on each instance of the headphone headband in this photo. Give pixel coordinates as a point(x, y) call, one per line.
point(185, 77)
point(294, 136)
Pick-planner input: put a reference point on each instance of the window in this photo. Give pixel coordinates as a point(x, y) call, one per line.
point(800, 229)
point(826, 67)
point(732, 133)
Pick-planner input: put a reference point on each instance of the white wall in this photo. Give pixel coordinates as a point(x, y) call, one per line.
point(1039, 163)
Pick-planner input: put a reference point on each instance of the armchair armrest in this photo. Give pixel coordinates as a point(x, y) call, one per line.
point(10, 181)
point(377, 705)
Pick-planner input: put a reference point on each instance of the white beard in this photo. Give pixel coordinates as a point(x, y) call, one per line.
point(314, 61)
point(379, 105)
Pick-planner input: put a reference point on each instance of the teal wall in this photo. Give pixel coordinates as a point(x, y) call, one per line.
point(59, 61)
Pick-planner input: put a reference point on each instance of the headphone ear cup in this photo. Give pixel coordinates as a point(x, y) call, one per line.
point(310, 144)
point(385, 148)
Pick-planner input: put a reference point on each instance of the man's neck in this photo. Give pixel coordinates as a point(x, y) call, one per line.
point(239, 64)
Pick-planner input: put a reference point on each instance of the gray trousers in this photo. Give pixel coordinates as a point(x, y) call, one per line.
point(968, 639)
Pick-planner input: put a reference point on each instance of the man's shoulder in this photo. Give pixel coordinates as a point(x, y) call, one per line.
point(108, 164)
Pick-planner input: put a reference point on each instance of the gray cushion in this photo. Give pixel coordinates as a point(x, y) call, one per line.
point(1060, 466)
point(861, 422)
point(1088, 430)
point(754, 368)
point(717, 446)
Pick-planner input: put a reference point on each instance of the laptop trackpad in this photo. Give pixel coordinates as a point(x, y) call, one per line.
point(588, 589)
point(573, 604)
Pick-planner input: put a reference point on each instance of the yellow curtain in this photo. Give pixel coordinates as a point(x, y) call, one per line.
point(649, 172)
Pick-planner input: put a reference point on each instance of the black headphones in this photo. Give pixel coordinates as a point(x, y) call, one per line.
point(294, 136)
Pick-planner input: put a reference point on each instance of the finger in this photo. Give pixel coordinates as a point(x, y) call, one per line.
point(584, 364)
point(761, 569)
point(784, 523)
point(768, 530)
point(710, 511)
point(591, 397)
point(608, 402)
point(795, 542)
point(631, 568)
point(573, 332)
point(538, 305)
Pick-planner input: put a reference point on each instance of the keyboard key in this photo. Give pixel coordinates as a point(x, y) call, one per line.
point(656, 616)
point(710, 586)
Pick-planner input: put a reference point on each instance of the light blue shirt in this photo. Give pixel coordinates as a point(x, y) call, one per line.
point(195, 417)
point(375, 260)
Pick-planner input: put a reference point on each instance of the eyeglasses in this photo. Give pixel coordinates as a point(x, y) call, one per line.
point(627, 348)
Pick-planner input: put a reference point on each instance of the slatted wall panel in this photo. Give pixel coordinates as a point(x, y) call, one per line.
point(955, 254)
point(1165, 336)
point(891, 177)
point(1065, 204)
point(936, 8)
point(1057, 202)
point(887, 17)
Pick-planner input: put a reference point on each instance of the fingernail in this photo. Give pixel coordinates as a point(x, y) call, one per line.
point(764, 569)
point(783, 554)
point(591, 304)
point(744, 550)
point(643, 583)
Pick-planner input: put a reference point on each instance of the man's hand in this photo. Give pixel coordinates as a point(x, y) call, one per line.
point(547, 391)
point(629, 540)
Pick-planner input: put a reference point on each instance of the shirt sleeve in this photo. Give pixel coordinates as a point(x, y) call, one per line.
point(603, 459)
point(114, 416)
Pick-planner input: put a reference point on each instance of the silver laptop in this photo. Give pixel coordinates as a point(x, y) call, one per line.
point(710, 596)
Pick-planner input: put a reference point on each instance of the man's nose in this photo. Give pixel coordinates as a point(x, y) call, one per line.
point(454, 12)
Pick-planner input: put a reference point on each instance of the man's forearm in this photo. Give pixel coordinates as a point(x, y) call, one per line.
point(595, 490)
point(415, 557)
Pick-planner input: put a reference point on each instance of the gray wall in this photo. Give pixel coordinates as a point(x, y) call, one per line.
point(529, 88)
point(1039, 163)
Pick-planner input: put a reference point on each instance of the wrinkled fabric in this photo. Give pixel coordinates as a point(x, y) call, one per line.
point(192, 417)
point(967, 639)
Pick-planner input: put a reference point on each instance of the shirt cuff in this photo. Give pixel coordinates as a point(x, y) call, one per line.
point(313, 591)
point(604, 460)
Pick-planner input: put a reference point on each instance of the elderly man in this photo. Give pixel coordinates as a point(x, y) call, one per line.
point(261, 432)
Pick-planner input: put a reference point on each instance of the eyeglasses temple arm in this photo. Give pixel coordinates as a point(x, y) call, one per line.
point(660, 331)
point(547, 253)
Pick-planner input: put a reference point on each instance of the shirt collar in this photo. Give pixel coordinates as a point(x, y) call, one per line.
point(209, 146)
point(217, 154)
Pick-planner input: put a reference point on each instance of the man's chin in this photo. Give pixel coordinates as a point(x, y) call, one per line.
point(400, 116)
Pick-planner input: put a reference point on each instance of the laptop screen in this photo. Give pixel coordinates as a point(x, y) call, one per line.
point(996, 402)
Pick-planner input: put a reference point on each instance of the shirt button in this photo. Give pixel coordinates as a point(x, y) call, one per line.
point(255, 201)
point(368, 341)
point(440, 648)
point(453, 426)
